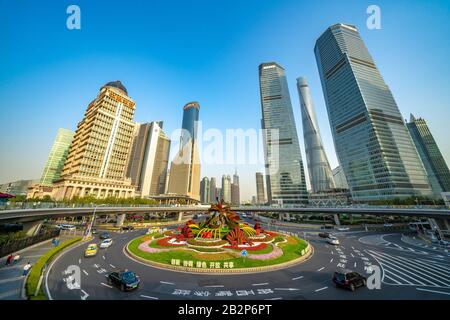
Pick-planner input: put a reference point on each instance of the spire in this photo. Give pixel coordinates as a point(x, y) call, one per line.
point(412, 118)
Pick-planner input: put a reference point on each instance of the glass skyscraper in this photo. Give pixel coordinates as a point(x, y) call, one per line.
point(433, 161)
point(371, 140)
point(285, 177)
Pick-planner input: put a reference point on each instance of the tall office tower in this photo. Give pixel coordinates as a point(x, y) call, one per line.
point(149, 159)
point(185, 169)
point(98, 156)
point(213, 190)
point(235, 194)
point(204, 190)
point(432, 159)
point(226, 188)
point(57, 157)
point(235, 177)
point(260, 197)
point(371, 140)
point(254, 200)
point(319, 169)
point(339, 178)
point(219, 193)
point(285, 177)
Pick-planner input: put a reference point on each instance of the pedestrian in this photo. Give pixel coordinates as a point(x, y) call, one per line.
point(8, 260)
point(26, 268)
point(16, 258)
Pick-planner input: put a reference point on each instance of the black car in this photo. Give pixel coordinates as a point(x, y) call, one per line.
point(349, 279)
point(124, 280)
point(104, 235)
point(127, 228)
point(324, 234)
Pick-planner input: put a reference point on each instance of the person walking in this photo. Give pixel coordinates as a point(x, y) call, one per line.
point(16, 258)
point(8, 260)
point(26, 268)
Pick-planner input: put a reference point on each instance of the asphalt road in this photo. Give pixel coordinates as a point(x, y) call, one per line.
point(408, 272)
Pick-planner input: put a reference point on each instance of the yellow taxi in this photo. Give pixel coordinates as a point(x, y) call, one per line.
point(91, 250)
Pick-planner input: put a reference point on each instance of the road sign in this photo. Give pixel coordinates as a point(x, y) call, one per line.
point(244, 253)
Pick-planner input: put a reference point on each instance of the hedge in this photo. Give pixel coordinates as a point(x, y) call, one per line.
point(37, 268)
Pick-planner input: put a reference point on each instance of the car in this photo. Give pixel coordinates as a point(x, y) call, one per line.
point(106, 243)
point(94, 231)
point(66, 227)
point(388, 225)
point(326, 227)
point(91, 250)
point(333, 240)
point(342, 228)
point(125, 280)
point(129, 227)
point(349, 279)
point(324, 234)
point(104, 235)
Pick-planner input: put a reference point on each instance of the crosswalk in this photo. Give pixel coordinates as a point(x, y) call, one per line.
point(398, 270)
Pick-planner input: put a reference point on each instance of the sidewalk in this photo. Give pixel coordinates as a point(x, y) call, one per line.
point(11, 279)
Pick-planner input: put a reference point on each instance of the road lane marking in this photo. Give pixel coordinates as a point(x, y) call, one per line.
point(79, 261)
point(296, 278)
point(331, 260)
point(260, 284)
point(106, 285)
point(85, 295)
point(440, 292)
point(317, 290)
point(354, 266)
point(274, 299)
point(321, 269)
point(149, 297)
point(103, 257)
point(215, 286)
point(85, 272)
point(286, 289)
point(352, 255)
point(112, 266)
point(165, 282)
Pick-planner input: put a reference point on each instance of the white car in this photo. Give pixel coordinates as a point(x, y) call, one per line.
point(342, 228)
point(333, 240)
point(66, 227)
point(106, 243)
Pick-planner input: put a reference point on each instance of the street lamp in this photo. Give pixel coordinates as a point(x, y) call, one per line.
point(89, 229)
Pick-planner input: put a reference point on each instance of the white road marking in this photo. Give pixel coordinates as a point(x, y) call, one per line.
point(286, 289)
point(165, 282)
point(215, 286)
point(331, 260)
point(112, 266)
point(103, 257)
point(274, 299)
point(352, 255)
point(84, 271)
point(354, 266)
point(440, 292)
point(260, 284)
point(149, 297)
point(296, 278)
point(317, 290)
point(85, 295)
point(79, 261)
point(106, 285)
point(321, 269)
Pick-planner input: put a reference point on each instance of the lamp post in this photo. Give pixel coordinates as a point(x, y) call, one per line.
point(89, 229)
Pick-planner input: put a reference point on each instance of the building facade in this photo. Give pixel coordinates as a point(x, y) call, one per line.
point(339, 178)
point(18, 188)
point(226, 188)
point(213, 190)
point(371, 140)
point(204, 190)
point(235, 190)
point(432, 159)
point(260, 196)
point(149, 159)
point(57, 157)
point(185, 168)
point(97, 161)
point(285, 177)
point(320, 175)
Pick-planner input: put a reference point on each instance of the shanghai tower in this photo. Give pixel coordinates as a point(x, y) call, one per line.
point(371, 140)
point(319, 169)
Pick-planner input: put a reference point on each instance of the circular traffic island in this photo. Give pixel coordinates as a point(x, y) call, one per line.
point(221, 244)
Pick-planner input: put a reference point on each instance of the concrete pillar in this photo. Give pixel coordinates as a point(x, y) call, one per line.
point(120, 220)
point(180, 216)
point(32, 228)
point(336, 219)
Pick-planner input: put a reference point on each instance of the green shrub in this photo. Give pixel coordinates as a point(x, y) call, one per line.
point(37, 268)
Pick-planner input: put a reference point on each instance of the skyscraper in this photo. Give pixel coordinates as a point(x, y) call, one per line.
point(285, 176)
point(235, 190)
point(371, 140)
point(57, 157)
point(204, 190)
point(149, 159)
point(319, 169)
point(226, 188)
point(98, 156)
point(432, 159)
point(213, 190)
point(185, 168)
point(260, 197)
point(339, 178)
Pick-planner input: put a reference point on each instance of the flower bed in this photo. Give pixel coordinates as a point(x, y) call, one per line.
point(259, 246)
point(206, 243)
point(169, 242)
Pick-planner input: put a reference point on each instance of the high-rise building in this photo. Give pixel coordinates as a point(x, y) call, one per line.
point(235, 190)
point(339, 178)
point(235, 177)
point(149, 159)
point(260, 197)
point(219, 193)
point(285, 177)
point(253, 200)
point(319, 169)
point(226, 188)
point(213, 191)
point(57, 157)
point(204, 190)
point(371, 140)
point(98, 156)
point(432, 159)
point(185, 168)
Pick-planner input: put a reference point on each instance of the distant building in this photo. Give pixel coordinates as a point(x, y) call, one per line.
point(226, 188)
point(17, 188)
point(339, 178)
point(204, 190)
point(253, 200)
point(57, 157)
point(260, 197)
point(149, 159)
point(219, 194)
point(432, 159)
point(235, 194)
point(213, 196)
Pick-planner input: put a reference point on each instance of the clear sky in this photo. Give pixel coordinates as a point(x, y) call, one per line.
point(171, 52)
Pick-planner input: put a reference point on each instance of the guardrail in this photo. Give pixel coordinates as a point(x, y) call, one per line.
point(16, 245)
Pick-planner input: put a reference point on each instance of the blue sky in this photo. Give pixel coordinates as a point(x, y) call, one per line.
point(168, 53)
